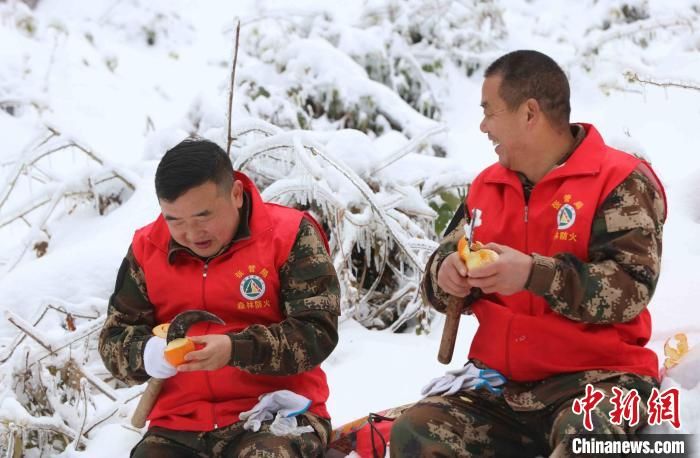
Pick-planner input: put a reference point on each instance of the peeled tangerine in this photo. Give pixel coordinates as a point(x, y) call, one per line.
point(477, 256)
point(177, 349)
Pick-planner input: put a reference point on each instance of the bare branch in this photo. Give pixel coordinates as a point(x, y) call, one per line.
point(28, 329)
point(75, 336)
point(19, 338)
point(99, 160)
point(231, 87)
point(98, 383)
point(23, 213)
point(84, 393)
point(101, 419)
point(633, 77)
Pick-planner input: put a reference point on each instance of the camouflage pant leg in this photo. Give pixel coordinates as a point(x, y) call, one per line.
point(566, 424)
point(165, 443)
point(264, 444)
point(468, 424)
point(234, 441)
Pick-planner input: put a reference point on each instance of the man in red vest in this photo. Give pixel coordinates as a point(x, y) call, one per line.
point(264, 269)
point(578, 227)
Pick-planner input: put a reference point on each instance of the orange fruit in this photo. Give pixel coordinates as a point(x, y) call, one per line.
point(481, 258)
point(161, 330)
point(463, 249)
point(477, 256)
point(177, 349)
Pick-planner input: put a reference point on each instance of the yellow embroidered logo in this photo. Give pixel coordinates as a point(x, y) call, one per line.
point(253, 287)
point(566, 217)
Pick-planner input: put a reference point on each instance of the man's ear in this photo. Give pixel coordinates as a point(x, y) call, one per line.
point(533, 110)
point(237, 193)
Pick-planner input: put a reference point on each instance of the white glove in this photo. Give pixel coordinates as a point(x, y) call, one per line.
point(283, 406)
point(154, 359)
point(288, 426)
point(468, 377)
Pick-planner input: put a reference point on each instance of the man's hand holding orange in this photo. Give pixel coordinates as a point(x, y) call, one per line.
point(453, 276)
point(215, 354)
point(507, 275)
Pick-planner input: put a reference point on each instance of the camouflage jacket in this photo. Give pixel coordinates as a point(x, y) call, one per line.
point(310, 297)
point(627, 261)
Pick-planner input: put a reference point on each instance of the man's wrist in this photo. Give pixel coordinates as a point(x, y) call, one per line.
point(241, 350)
point(541, 274)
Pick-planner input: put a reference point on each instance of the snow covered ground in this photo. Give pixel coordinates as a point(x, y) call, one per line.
point(86, 68)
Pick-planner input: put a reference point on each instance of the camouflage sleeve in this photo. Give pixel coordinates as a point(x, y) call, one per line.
point(431, 292)
point(129, 322)
point(624, 259)
point(310, 297)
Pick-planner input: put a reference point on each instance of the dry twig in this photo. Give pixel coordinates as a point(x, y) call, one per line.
point(633, 77)
point(229, 139)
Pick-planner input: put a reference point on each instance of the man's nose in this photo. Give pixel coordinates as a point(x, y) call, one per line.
point(482, 125)
point(194, 231)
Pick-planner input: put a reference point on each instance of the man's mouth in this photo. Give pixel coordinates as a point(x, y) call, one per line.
point(202, 245)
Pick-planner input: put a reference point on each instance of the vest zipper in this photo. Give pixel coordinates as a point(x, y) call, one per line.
point(206, 376)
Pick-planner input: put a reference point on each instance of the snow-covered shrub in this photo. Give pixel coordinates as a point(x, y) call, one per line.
point(317, 61)
point(52, 178)
point(380, 230)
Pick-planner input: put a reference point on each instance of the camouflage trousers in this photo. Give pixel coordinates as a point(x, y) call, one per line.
point(234, 441)
point(481, 424)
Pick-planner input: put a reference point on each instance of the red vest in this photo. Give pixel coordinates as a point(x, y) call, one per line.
point(242, 287)
point(519, 335)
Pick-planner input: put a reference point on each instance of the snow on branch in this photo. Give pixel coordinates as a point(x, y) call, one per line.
point(53, 387)
point(21, 202)
point(598, 38)
point(633, 77)
point(408, 147)
point(367, 226)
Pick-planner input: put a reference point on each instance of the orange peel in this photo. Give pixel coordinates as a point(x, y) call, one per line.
point(675, 353)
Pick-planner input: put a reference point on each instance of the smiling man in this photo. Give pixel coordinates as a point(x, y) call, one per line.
point(578, 228)
point(265, 270)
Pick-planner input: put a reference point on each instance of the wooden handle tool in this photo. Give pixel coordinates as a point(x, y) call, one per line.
point(148, 399)
point(449, 332)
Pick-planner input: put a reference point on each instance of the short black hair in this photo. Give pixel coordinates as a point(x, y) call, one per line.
point(192, 163)
point(531, 74)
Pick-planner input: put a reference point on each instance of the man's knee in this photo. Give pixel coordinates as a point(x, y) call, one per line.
point(152, 446)
point(265, 445)
point(430, 428)
point(404, 431)
point(568, 425)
